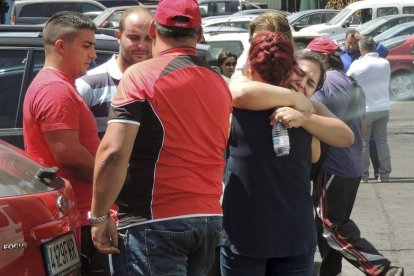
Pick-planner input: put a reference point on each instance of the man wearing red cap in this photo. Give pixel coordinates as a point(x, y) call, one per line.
point(162, 156)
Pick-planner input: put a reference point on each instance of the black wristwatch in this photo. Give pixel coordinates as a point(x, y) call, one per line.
point(96, 220)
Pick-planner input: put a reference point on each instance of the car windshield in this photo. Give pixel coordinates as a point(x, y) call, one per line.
point(369, 26)
point(101, 17)
point(18, 173)
point(338, 18)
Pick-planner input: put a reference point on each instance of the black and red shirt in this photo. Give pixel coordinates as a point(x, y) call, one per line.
point(182, 108)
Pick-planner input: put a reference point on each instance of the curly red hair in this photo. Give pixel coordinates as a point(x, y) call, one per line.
point(271, 55)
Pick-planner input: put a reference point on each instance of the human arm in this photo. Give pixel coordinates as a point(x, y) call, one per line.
point(70, 153)
point(254, 95)
point(110, 172)
point(326, 128)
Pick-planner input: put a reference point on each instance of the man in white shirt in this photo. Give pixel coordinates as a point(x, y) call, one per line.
point(99, 85)
point(373, 75)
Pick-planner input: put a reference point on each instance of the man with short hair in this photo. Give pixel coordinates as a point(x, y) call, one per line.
point(351, 51)
point(58, 128)
point(373, 75)
point(99, 85)
point(162, 156)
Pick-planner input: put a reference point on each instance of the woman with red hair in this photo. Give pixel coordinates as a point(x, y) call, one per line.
point(268, 212)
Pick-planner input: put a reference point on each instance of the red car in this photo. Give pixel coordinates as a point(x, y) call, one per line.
point(401, 58)
point(39, 219)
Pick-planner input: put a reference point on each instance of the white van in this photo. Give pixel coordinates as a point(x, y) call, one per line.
point(358, 13)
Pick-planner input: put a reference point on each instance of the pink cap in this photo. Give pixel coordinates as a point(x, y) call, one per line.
point(324, 44)
point(178, 14)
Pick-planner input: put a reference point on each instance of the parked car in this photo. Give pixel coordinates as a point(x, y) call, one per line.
point(260, 11)
point(302, 19)
point(401, 58)
point(30, 12)
point(238, 21)
point(382, 24)
point(117, 3)
point(39, 218)
point(237, 42)
point(359, 12)
point(110, 17)
point(378, 25)
point(21, 57)
point(399, 30)
point(224, 7)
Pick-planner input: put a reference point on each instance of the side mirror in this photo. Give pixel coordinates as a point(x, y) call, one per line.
point(346, 24)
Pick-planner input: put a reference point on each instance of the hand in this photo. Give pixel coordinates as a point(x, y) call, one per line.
point(105, 237)
point(302, 103)
point(288, 116)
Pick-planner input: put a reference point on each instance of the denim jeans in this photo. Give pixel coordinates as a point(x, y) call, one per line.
point(183, 246)
point(237, 265)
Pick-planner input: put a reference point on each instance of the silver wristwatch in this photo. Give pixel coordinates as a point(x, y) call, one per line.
point(96, 220)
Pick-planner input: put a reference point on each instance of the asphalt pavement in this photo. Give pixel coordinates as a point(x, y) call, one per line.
point(384, 212)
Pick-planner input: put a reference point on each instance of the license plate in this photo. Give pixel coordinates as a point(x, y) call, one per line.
point(61, 255)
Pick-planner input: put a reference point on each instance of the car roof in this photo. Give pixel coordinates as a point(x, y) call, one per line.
point(260, 11)
point(31, 35)
point(214, 19)
point(298, 14)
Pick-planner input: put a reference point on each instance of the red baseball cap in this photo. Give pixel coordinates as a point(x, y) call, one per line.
point(324, 44)
point(178, 13)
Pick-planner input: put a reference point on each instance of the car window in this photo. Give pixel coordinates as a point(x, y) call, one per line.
point(12, 66)
point(52, 8)
point(88, 7)
point(386, 11)
point(408, 10)
point(217, 47)
point(407, 31)
point(33, 10)
point(218, 8)
point(20, 175)
point(303, 21)
point(113, 20)
point(314, 19)
point(327, 16)
point(240, 24)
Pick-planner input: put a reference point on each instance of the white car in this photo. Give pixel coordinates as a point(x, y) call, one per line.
point(240, 21)
point(237, 42)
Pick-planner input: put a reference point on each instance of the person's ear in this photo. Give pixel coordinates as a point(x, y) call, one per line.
point(151, 30)
point(200, 36)
point(59, 46)
point(118, 34)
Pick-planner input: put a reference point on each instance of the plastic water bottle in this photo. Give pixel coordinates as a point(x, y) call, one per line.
point(280, 138)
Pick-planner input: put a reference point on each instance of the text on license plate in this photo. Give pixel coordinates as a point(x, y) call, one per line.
point(61, 255)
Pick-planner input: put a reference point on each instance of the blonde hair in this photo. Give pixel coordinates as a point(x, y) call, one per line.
point(272, 22)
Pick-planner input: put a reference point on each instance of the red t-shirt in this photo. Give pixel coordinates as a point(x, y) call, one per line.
point(182, 108)
point(52, 103)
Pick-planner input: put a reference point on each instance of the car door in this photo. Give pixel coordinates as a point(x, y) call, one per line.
point(12, 69)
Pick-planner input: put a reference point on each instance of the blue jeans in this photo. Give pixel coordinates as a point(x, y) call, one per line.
point(237, 265)
point(182, 246)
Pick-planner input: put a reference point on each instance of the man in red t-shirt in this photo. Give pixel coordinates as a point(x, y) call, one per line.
point(162, 156)
point(59, 129)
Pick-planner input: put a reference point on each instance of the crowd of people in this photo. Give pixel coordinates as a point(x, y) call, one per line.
point(148, 138)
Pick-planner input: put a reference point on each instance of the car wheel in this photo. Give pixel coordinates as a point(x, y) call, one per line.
point(402, 86)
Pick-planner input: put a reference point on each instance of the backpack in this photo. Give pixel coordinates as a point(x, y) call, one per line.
point(355, 113)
